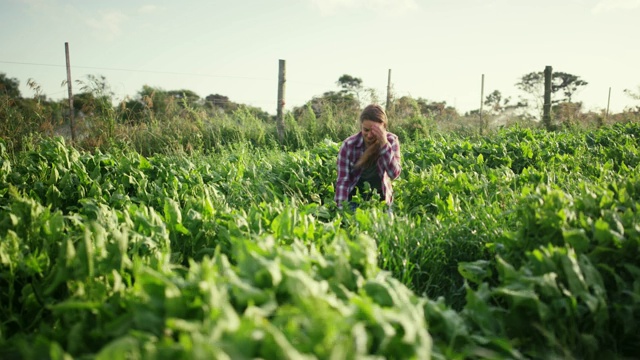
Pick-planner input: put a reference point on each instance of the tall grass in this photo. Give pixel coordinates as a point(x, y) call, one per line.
point(179, 127)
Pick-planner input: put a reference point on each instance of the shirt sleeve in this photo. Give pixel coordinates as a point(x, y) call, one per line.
point(342, 182)
point(390, 155)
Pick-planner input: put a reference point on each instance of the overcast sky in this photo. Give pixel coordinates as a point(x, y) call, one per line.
point(436, 49)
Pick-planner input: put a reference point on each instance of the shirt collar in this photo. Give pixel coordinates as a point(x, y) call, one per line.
point(360, 140)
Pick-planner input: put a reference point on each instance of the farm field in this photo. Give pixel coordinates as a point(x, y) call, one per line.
point(516, 245)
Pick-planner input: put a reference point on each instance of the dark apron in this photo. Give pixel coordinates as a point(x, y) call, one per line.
point(369, 175)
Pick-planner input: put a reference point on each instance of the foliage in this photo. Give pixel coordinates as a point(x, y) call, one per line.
point(350, 84)
point(633, 95)
point(519, 244)
point(499, 105)
point(168, 121)
point(407, 107)
point(9, 87)
point(331, 103)
point(23, 118)
point(562, 83)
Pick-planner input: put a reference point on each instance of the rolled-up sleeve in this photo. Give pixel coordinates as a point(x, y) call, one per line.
point(390, 155)
point(344, 169)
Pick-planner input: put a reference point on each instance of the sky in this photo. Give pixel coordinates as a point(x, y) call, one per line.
point(437, 50)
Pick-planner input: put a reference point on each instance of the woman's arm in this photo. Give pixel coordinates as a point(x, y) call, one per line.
point(390, 155)
point(342, 182)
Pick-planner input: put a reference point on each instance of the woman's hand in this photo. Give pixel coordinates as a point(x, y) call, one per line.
point(380, 133)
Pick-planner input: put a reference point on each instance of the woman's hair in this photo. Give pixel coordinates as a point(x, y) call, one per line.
point(373, 112)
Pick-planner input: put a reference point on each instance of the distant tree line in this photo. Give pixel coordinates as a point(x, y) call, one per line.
point(332, 114)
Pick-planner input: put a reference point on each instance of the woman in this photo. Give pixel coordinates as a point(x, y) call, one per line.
point(371, 156)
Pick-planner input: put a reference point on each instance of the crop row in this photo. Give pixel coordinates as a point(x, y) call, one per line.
point(520, 244)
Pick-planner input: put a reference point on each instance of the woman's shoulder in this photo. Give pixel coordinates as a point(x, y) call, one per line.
point(353, 140)
point(391, 136)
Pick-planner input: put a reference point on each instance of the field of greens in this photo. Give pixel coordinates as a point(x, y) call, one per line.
point(520, 244)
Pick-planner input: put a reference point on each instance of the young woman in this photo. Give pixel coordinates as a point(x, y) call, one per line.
point(371, 156)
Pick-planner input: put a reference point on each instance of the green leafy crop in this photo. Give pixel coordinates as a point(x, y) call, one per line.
point(519, 244)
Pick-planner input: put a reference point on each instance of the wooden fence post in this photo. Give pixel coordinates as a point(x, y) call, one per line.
point(388, 105)
point(481, 103)
point(71, 122)
point(606, 116)
point(281, 89)
point(546, 116)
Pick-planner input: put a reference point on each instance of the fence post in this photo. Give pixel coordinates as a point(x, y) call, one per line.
point(71, 122)
point(281, 88)
point(389, 105)
point(606, 116)
point(481, 103)
point(546, 116)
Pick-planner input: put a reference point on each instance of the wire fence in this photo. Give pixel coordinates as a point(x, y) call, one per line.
point(266, 85)
point(120, 94)
point(293, 98)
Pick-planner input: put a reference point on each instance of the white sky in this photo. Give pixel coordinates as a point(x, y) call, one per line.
point(436, 49)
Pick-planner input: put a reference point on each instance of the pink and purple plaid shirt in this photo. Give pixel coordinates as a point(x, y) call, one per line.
point(388, 166)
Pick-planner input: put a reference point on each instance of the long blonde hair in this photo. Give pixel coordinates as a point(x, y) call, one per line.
point(373, 112)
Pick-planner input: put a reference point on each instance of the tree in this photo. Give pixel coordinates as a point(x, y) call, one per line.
point(350, 84)
point(149, 103)
point(532, 83)
point(219, 102)
point(216, 103)
point(132, 111)
point(85, 102)
point(499, 104)
point(495, 101)
point(346, 101)
point(338, 102)
point(186, 98)
point(567, 83)
point(406, 107)
point(561, 83)
point(96, 97)
point(437, 109)
point(634, 96)
point(631, 94)
point(156, 100)
point(9, 86)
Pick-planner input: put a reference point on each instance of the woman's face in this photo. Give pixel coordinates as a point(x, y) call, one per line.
point(366, 127)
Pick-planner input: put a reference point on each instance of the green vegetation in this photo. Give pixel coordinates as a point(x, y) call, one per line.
point(178, 227)
point(157, 121)
point(519, 244)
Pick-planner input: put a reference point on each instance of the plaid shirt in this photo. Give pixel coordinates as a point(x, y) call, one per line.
point(388, 166)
